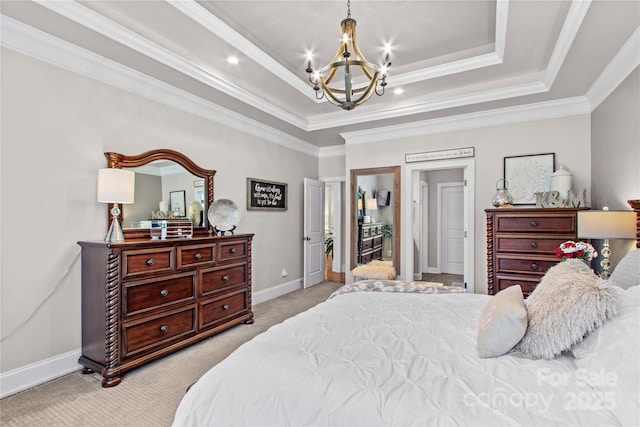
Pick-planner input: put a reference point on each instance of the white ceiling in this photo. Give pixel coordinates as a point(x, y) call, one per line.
point(449, 57)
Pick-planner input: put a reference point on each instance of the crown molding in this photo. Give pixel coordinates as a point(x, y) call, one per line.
point(44, 47)
point(102, 25)
point(438, 104)
point(332, 151)
point(497, 117)
point(467, 64)
point(626, 60)
point(216, 26)
point(573, 22)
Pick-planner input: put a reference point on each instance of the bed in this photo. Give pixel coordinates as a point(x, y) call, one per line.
point(378, 356)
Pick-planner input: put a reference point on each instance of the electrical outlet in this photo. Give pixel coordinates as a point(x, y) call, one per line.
point(284, 272)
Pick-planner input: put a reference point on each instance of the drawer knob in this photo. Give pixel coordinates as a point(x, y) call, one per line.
point(225, 278)
point(164, 328)
point(198, 255)
point(164, 292)
point(533, 223)
point(151, 261)
point(232, 250)
point(225, 307)
point(534, 266)
point(534, 245)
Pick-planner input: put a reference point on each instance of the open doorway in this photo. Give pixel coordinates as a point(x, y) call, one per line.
point(439, 213)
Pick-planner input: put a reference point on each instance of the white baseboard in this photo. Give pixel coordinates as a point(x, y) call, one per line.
point(417, 276)
point(433, 270)
point(276, 291)
point(46, 370)
point(37, 373)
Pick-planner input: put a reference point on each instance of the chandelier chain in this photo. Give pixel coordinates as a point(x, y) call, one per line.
point(348, 9)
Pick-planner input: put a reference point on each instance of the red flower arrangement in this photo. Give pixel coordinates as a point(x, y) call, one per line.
point(579, 250)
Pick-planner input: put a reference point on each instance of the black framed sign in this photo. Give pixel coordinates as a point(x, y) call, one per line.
point(266, 195)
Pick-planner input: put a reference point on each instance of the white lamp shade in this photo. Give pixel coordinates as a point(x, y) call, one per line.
point(607, 224)
point(116, 185)
point(372, 204)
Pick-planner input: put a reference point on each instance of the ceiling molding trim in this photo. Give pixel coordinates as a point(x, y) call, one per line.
point(626, 60)
point(570, 28)
point(467, 64)
point(42, 46)
point(502, 116)
point(102, 25)
point(455, 67)
point(502, 15)
point(439, 104)
point(332, 151)
point(216, 26)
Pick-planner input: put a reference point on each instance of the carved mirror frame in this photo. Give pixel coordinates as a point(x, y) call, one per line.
point(355, 173)
point(120, 161)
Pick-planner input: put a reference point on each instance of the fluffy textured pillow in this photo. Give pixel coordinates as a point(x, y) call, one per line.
point(569, 302)
point(503, 323)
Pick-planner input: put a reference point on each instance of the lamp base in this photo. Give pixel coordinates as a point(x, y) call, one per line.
point(605, 264)
point(115, 234)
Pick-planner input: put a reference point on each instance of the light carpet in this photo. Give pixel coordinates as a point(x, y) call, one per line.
point(147, 396)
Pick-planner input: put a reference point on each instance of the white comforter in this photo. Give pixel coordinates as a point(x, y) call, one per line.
point(380, 359)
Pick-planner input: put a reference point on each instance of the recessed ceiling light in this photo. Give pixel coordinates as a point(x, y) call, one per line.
point(232, 60)
point(398, 91)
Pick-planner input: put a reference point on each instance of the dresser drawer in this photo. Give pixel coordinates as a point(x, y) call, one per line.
point(147, 261)
point(156, 332)
point(366, 257)
point(190, 256)
point(527, 284)
point(366, 231)
point(536, 223)
point(216, 279)
point(367, 244)
point(147, 295)
point(233, 250)
point(535, 243)
point(378, 229)
point(523, 264)
point(218, 310)
point(377, 241)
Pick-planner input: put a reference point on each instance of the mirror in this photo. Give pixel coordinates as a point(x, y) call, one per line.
point(197, 183)
point(375, 215)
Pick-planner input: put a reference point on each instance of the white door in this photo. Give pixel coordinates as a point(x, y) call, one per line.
point(452, 203)
point(313, 232)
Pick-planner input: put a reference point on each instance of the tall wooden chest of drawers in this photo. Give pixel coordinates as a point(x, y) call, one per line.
point(520, 243)
point(143, 299)
point(370, 238)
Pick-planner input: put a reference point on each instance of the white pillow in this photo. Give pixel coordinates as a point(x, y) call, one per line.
point(569, 302)
point(503, 323)
point(627, 273)
point(610, 359)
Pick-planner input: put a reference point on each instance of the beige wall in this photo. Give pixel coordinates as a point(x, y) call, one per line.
point(567, 137)
point(331, 167)
point(55, 127)
point(615, 149)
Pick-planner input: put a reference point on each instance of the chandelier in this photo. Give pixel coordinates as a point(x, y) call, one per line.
point(350, 60)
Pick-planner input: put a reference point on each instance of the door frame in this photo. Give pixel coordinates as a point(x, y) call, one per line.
point(468, 165)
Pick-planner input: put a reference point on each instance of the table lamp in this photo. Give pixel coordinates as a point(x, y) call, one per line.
point(606, 224)
point(372, 205)
point(115, 186)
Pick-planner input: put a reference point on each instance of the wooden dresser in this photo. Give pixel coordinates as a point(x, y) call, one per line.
point(370, 238)
point(520, 243)
point(143, 299)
